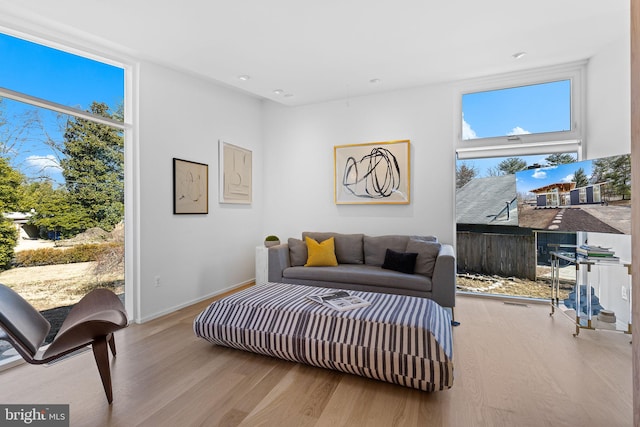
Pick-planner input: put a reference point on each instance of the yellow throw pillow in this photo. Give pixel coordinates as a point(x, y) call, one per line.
point(321, 254)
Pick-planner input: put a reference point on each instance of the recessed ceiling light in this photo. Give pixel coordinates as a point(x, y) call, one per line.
point(519, 55)
point(278, 91)
point(375, 81)
point(244, 77)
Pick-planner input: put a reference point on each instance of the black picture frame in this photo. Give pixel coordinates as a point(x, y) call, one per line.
point(190, 187)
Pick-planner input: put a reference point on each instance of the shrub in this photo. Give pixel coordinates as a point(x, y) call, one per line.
point(52, 256)
point(8, 239)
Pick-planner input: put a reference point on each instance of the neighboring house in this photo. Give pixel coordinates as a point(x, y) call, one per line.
point(588, 195)
point(566, 194)
point(20, 220)
point(554, 195)
point(488, 201)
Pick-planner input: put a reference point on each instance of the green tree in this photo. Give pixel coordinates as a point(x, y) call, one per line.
point(52, 209)
point(559, 159)
point(93, 167)
point(616, 172)
point(509, 167)
point(580, 178)
point(464, 174)
point(10, 180)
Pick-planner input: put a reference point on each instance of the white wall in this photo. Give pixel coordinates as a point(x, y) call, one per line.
point(608, 128)
point(195, 256)
point(608, 134)
point(298, 174)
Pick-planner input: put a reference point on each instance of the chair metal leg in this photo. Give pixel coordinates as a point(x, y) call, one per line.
point(101, 354)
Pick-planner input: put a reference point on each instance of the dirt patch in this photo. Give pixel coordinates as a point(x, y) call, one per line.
point(594, 218)
point(539, 219)
point(509, 286)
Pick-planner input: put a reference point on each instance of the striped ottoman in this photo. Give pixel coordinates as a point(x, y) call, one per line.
point(399, 339)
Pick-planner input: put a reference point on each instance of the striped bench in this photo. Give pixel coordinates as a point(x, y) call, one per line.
point(399, 339)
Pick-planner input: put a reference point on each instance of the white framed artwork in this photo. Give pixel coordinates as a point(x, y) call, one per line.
point(235, 174)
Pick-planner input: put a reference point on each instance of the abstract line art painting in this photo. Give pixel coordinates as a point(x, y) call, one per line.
point(372, 173)
point(235, 174)
point(190, 187)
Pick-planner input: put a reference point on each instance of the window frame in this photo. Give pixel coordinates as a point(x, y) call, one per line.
point(69, 44)
point(574, 72)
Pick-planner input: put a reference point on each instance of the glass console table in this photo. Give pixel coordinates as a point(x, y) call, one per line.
point(584, 303)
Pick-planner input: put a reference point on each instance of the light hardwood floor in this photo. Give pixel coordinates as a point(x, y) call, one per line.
point(513, 366)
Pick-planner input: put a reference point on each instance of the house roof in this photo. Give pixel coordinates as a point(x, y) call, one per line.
point(484, 201)
point(561, 186)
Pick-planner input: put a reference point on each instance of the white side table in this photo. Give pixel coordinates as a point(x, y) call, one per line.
point(262, 265)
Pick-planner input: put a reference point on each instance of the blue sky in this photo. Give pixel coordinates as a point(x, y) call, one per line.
point(520, 110)
point(515, 111)
point(56, 76)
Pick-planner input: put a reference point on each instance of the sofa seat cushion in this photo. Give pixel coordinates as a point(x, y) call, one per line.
point(361, 275)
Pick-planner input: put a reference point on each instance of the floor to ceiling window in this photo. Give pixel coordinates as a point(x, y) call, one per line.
point(62, 132)
point(513, 129)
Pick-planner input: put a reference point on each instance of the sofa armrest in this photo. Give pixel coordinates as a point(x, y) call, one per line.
point(444, 277)
point(278, 260)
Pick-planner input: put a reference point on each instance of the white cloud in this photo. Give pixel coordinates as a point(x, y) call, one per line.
point(467, 132)
point(539, 174)
point(44, 163)
point(518, 131)
point(567, 178)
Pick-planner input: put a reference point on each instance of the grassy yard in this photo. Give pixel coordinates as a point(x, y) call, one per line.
point(54, 286)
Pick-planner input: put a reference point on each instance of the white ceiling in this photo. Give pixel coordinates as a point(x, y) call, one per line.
point(331, 49)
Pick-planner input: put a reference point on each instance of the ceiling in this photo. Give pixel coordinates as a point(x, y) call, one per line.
point(317, 51)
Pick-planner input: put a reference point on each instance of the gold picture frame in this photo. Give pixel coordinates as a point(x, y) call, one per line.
point(190, 187)
point(372, 173)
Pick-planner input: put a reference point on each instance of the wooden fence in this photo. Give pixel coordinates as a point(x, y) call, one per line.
point(504, 255)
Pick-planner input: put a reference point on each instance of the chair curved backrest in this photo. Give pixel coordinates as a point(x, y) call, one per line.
point(21, 322)
point(91, 321)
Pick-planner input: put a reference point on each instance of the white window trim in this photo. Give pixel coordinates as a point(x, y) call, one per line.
point(575, 72)
point(74, 43)
point(512, 150)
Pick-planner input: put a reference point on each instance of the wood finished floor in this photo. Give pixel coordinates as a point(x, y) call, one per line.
point(513, 366)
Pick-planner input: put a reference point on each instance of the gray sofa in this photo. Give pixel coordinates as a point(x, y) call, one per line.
point(360, 265)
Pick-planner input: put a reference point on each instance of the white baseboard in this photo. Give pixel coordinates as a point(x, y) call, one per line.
point(191, 302)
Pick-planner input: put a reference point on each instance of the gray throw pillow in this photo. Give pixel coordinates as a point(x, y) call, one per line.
point(427, 254)
point(298, 253)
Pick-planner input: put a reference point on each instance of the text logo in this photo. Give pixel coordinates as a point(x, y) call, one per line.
point(34, 415)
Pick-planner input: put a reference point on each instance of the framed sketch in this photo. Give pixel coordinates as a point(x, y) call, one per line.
point(235, 174)
point(190, 187)
point(372, 173)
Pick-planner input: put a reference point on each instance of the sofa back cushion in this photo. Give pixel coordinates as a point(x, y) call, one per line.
point(348, 246)
point(427, 253)
point(297, 252)
point(375, 247)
